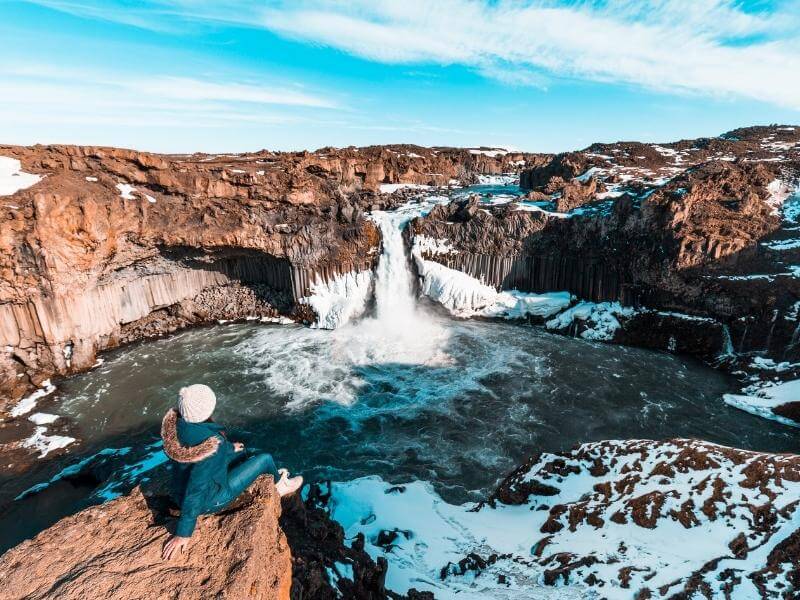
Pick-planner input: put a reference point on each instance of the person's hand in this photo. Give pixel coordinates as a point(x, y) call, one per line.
point(238, 446)
point(175, 545)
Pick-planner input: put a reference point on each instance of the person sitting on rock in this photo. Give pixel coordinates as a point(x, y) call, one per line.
point(204, 479)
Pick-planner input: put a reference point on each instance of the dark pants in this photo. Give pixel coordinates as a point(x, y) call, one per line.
point(242, 475)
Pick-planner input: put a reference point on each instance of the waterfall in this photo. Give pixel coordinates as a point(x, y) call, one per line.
point(341, 301)
point(399, 330)
point(727, 343)
point(394, 284)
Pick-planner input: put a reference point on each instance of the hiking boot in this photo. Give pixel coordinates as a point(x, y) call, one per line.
point(288, 486)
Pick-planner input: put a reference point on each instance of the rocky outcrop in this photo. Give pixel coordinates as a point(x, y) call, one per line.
point(694, 228)
point(614, 513)
point(259, 547)
point(114, 551)
point(616, 519)
point(113, 245)
point(109, 245)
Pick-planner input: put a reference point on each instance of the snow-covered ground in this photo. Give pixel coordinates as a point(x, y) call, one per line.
point(424, 535)
point(600, 319)
point(762, 402)
point(13, 178)
point(390, 188)
point(28, 403)
point(618, 516)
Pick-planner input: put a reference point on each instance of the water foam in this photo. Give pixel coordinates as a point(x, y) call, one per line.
point(309, 366)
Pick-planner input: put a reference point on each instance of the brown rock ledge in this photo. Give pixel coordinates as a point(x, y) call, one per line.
point(114, 551)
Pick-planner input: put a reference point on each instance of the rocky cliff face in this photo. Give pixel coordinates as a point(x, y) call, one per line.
point(103, 246)
point(114, 551)
point(697, 227)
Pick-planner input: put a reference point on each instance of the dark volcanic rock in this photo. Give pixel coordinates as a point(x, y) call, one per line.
point(681, 228)
point(324, 565)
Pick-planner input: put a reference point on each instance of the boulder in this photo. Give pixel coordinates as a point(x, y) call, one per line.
point(114, 551)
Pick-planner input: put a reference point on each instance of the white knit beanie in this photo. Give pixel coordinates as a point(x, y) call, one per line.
point(196, 402)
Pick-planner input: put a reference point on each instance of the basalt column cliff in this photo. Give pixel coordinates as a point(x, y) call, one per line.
point(103, 246)
point(693, 236)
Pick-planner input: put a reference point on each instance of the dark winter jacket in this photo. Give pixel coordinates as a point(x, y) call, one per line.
point(200, 455)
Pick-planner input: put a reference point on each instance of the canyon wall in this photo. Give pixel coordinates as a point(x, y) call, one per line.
point(697, 227)
point(104, 246)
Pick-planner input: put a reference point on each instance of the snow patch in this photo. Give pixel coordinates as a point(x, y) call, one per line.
point(588, 174)
point(13, 178)
point(504, 179)
point(341, 299)
point(390, 188)
point(778, 192)
point(44, 443)
point(664, 151)
point(91, 179)
point(126, 191)
point(767, 364)
point(527, 206)
point(460, 293)
point(601, 319)
point(765, 400)
point(465, 296)
point(490, 153)
point(43, 418)
point(428, 245)
point(685, 317)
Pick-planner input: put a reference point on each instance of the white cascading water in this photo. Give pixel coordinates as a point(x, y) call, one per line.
point(401, 330)
point(307, 365)
point(394, 286)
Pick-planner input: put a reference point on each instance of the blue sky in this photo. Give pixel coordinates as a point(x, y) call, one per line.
point(544, 75)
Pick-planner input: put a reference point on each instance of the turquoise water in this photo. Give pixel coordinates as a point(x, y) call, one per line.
point(461, 408)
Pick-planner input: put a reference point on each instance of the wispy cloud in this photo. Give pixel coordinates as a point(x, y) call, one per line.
point(188, 89)
point(167, 86)
point(39, 92)
point(711, 46)
point(717, 47)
